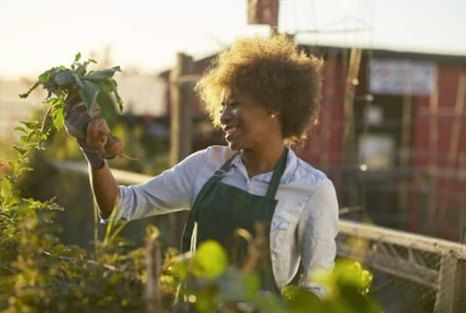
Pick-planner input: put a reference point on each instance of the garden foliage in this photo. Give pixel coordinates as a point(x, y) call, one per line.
point(38, 273)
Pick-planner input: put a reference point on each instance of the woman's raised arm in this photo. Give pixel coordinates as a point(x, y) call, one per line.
point(104, 189)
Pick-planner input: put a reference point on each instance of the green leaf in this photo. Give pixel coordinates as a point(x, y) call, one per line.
point(77, 57)
point(45, 76)
point(43, 137)
point(102, 75)
point(90, 92)
point(64, 78)
point(303, 301)
point(58, 119)
point(20, 149)
point(47, 79)
point(205, 301)
point(21, 129)
point(107, 85)
point(118, 99)
point(78, 81)
point(178, 269)
point(210, 260)
point(236, 286)
point(106, 101)
point(5, 188)
point(26, 94)
point(270, 304)
point(31, 124)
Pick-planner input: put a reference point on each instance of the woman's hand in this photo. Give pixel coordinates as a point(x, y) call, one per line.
point(77, 119)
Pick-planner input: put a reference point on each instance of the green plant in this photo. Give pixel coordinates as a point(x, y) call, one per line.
point(38, 273)
point(211, 285)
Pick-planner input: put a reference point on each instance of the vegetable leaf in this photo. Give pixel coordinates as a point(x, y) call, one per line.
point(101, 75)
point(64, 78)
point(90, 92)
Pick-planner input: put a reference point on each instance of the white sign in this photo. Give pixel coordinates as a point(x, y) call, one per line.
point(397, 77)
point(376, 151)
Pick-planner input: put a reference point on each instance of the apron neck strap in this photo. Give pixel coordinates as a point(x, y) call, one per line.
point(277, 174)
point(225, 167)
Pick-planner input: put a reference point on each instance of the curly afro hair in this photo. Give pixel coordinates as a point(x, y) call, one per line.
point(275, 74)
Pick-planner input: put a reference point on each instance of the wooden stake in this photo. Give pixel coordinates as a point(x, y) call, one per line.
point(462, 206)
point(348, 107)
point(181, 110)
point(348, 153)
point(325, 126)
point(404, 151)
point(433, 147)
point(181, 80)
point(451, 295)
point(456, 131)
point(459, 111)
point(153, 267)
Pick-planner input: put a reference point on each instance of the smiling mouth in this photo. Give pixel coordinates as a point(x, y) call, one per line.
point(229, 130)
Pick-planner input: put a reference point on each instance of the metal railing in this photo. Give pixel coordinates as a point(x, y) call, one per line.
point(412, 273)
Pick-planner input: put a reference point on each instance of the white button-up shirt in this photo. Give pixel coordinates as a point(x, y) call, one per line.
point(304, 225)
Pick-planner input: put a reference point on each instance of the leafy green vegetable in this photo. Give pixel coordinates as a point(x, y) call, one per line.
point(62, 83)
point(76, 97)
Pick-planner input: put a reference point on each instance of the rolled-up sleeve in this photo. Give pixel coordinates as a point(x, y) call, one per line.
point(317, 231)
point(168, 192)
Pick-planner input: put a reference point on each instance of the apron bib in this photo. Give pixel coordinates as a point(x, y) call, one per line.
point(220, 209)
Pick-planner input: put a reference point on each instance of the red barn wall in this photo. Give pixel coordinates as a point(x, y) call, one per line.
point(446, 190)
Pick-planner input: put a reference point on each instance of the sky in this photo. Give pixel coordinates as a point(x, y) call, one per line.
point(147, 34)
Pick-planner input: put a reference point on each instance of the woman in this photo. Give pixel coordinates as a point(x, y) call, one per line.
point(264, 94)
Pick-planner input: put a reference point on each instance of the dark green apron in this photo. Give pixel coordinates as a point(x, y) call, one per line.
point(220, 209)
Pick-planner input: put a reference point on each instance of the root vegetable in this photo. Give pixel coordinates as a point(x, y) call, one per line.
point(100, 139)
point(114, 146)
point(97, 134)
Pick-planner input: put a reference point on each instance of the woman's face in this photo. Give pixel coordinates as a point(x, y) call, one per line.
point(246, 124)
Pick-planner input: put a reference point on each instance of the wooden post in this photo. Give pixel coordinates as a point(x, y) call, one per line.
point(153, 265)
point(325, 125)
point(456, 134)
point(462, 181)
point(403, 193)
point(451, 297)
point(180, 128)
point(181, 110)
point(349, 155)
point(456, 128)
point(433, 155)
point(348, 106)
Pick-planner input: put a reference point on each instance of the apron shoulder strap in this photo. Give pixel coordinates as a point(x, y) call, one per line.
point(277, 175)
point(189, 226)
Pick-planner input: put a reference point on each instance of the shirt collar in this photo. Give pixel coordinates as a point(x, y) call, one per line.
point(291, 165)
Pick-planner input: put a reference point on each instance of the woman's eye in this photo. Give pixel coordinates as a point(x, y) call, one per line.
point(230, 105)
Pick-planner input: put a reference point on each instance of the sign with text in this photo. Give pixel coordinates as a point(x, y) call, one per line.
point(263, 12)
point(398, 77)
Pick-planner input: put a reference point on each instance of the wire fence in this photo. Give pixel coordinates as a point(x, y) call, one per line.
point(411, 273)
